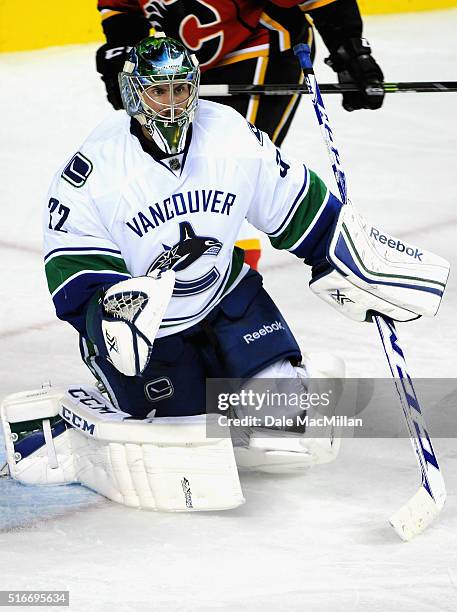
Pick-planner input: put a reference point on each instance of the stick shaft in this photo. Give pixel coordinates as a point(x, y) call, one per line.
point(431, 476)
point(288, 89)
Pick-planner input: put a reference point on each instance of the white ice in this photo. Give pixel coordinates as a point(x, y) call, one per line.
point(319, 541)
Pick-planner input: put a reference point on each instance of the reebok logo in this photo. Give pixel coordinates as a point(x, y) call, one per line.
point(263, 331)
point(395, 244)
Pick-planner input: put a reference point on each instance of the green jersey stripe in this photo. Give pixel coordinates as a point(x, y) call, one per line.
point(305, 217)
point(237, 266)
point(63, 267)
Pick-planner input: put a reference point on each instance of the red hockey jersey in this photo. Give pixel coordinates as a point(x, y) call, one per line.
point(221, 32)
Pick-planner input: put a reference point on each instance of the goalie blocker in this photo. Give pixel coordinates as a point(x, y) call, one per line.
point(368, 271)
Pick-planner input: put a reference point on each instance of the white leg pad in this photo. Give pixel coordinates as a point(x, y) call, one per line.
point(160, 464)
point(275, 451)
point(51, 462)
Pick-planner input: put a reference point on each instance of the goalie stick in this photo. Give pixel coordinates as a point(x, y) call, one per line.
point(412, 518)
point(288, 89)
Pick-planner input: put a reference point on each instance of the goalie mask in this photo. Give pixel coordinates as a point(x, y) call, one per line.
point(159, 87)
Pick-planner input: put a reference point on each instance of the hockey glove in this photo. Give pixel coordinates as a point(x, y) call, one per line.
point(121, 31)
point(354, 64)
point(368, 271)
point(124, 322)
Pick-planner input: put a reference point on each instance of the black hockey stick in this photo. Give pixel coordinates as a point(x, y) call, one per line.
point(326, 88)
point(426, 504)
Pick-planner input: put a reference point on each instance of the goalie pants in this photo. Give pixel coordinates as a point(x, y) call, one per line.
point(243, 335)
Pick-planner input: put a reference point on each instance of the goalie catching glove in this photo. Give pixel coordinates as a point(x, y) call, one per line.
point(124, 322)
point(369, 272)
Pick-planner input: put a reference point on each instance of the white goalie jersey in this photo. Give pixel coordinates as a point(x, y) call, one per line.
point(114, 211)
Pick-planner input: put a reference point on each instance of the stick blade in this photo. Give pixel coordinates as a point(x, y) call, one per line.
point(416, 515)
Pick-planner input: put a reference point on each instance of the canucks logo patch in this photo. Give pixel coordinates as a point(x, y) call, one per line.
point(183, 254)
point(159, 389)
point(77, 170)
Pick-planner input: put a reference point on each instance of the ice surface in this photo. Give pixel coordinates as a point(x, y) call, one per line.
point(318, 541)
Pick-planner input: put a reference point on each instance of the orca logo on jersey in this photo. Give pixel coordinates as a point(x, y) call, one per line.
point(184, 253)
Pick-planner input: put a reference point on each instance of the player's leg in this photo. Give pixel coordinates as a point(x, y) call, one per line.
point(238, 73)
point(288, 27)
point(285, 442)
point(274, 114)
point(255, 342)
point(271, 114)
point(113, 445)
point(57, 436)
point(171, 385)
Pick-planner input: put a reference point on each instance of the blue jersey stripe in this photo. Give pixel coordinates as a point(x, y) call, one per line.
point(314, 245)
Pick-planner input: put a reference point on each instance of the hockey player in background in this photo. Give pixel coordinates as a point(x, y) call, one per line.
point(139, 239)
point(247, 42)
